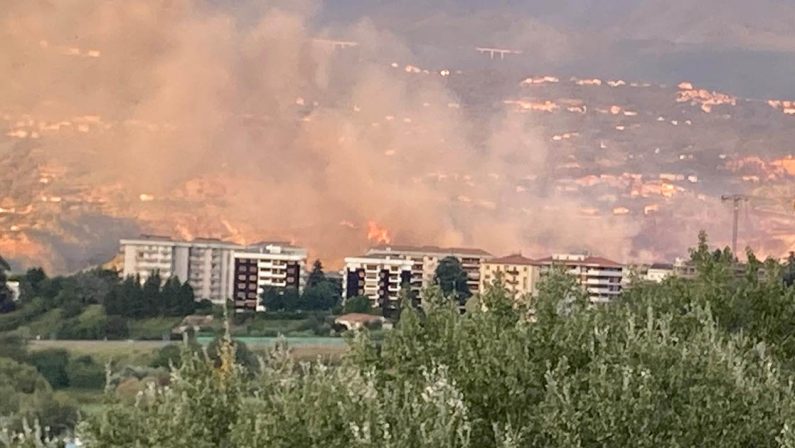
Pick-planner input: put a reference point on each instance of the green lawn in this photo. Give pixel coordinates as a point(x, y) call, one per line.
point(125, 352)
point(154, 328)
point(140, 352)
point(89, 401)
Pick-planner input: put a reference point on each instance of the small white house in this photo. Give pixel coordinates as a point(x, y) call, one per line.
point(14, 287)
point(355, 321)
point(659, 272)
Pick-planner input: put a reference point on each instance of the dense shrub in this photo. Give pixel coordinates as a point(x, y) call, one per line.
point(85, 373)
point(52, 364)
point(25, 395)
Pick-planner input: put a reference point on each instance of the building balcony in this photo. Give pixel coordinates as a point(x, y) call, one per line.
point(598, 281)
point(603, 273)
point(603, 291)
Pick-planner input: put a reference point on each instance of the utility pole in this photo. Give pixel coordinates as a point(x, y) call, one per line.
point(736, 200)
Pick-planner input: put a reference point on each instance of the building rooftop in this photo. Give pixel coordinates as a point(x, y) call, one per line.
point(359, 317)
point(430, 250)
point(145, 236)
point(586, 260)
point(273, 243)
point(514, 259)
point(168, 239)
point(666, 266)
point(379, 257)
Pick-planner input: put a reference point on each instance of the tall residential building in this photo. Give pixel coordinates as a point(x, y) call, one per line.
point(519, 274)
point(279, 265)
point(204, 263)
point(425, 259)
point(600, 278)
point(379, 278)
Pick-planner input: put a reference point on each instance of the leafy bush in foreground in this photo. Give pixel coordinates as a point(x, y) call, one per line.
point(571, 376)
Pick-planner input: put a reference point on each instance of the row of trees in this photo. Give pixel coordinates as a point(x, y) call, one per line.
point(153, 298)
point(158, 297)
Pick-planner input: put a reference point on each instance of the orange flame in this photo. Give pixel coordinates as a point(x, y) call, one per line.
point(378, 234)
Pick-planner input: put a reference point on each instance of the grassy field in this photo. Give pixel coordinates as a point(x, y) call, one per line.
point(141, 352)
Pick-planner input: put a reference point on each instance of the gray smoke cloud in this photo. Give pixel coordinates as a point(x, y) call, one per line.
point(243, 122)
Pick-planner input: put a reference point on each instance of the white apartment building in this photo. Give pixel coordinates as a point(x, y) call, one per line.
point(279, 265)
point(204, 263)
point(519, 274)
point(425, 260)
point(599, 277)
point(658, 272)
point(379, 278)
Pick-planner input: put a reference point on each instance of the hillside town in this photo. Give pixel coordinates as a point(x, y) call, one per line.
point(634, 157)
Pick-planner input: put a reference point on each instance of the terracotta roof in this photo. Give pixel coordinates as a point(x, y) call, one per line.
point(515, 259)
point(588, 261)
point(431, 250)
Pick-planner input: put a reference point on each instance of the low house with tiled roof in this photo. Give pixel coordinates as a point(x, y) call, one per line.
point(600, 278)
point(518, 274)
point(356, 321)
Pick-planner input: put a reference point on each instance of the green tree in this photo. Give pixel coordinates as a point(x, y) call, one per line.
point(177, 298)
point(316, 276)
point(323, 296)
point(358, 304)
point(280, 299)
point(451, 277)
point(52, 365)
point(31, 284)
point(85, 373)
point(26, 396)
point(126, 299)
point(151, 298)
point(789, 270)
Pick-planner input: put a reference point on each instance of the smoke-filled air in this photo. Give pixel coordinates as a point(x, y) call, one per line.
point(254, 122)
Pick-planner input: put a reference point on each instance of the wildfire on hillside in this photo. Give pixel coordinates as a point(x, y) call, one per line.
point(378, 234)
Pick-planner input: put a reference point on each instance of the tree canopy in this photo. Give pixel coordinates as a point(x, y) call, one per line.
point(452, 279)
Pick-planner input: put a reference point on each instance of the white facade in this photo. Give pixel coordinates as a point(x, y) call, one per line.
point(269, 264)
point(14, 288)
point(599, 277)
point(659, 272)
point(519, 274)
point(378, 278)
point(204, 264)
point(425, 260)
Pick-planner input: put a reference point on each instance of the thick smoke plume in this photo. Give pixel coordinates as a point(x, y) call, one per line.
point(246, 123)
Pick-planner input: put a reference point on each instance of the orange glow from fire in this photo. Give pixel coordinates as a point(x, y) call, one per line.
point(378, 234)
